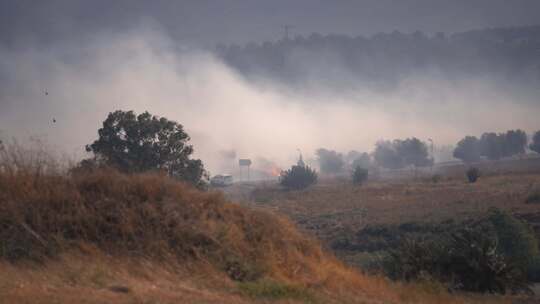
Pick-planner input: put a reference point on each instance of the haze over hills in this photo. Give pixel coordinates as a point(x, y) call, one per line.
point(308, 92)
point(400, 78)
point(394, 151)
point(382, 61)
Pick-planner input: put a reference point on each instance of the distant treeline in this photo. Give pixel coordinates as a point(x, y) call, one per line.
point(494, 146)
point(412, 152)
point(507, 53)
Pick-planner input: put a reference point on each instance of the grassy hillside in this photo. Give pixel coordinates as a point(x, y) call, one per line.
point(363, 224)
point(105, 237)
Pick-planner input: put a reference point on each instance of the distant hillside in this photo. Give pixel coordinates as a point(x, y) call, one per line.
point(380, 61)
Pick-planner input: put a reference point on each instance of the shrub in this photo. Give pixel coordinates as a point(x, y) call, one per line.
point(472, 174)
point(298, 177)
point(360, 175)
point(476, 265)
point(533, 197)
point(465, 259)
point(436, 178)
point(414, 258)
point(517, 240)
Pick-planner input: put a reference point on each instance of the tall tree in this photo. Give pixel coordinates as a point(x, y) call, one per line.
point(137, 143)
point(492, 145)
point(515, 142)
point(386, 155)
point(363, 161)
point(468, 149)
point(330, 161)
point(535, 144)
point(413, 152)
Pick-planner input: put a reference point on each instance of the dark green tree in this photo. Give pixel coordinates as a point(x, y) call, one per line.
point(298, 176)
point(492, 145)
point(515, 142)
point(468, 149)
point(386, 155)
point(360, 175)
point(413, 152)
point(144, 142)
point(400, 153)
point(330, 161)
point(362, 160)
point(535, 144)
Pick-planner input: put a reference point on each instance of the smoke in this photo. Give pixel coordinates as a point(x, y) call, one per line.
point(226, 116)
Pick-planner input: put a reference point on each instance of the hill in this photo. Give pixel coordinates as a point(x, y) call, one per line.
point(105, 237)
point(507, 55)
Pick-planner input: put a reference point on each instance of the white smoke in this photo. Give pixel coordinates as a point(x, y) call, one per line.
point(144, 70)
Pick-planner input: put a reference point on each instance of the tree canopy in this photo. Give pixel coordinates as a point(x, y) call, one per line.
point(401, 153)
point(137, 143)
point(330, 162)
point(468, 149)
point(298, 177)
point(491, 145)
point(535, 144)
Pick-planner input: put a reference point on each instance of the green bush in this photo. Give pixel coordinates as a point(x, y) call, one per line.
point(414, 258)
point(497, 254)
point(475, 264)
point(360, 175)
point(466, 259)
point(298, 177)
point(516, 240)
point(533, 197)
point(473, 174)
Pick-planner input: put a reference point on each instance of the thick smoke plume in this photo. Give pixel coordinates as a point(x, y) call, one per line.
point(227, 117)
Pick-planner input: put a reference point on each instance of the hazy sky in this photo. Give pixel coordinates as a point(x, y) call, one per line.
point(97, 56)
point(209, 22)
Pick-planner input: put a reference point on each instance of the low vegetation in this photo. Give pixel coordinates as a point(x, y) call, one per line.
point(497, 253)
point(492, 146)
point(298, 177)
point(472, 174)
point(360, 175)
point(146, 237)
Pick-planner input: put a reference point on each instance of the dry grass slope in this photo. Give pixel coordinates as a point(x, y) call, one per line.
point(105, 237)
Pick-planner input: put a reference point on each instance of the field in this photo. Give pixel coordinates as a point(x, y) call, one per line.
point(100, 236)
point(343, 216)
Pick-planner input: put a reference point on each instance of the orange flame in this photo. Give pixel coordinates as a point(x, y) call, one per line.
point(275, 171)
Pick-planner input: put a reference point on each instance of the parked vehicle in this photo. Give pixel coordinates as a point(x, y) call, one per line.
point(221, 180)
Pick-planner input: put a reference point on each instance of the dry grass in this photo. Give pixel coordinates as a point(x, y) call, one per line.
point(330, 208)
point(144, 215)
point(105, 237)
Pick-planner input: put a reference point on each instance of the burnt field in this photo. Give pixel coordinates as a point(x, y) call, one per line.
point(357, 222)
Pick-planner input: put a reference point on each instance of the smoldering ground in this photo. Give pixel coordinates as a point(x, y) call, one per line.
point(63, 92)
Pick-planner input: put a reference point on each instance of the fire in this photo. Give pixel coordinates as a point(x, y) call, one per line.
point(275, 171)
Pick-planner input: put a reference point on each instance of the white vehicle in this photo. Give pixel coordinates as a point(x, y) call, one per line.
point(221, 180)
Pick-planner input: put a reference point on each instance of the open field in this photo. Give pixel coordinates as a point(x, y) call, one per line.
point(332, 206)
point(350, 219)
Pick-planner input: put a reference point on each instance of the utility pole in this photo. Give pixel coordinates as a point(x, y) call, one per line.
point(286, 29)
point(432, 155)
